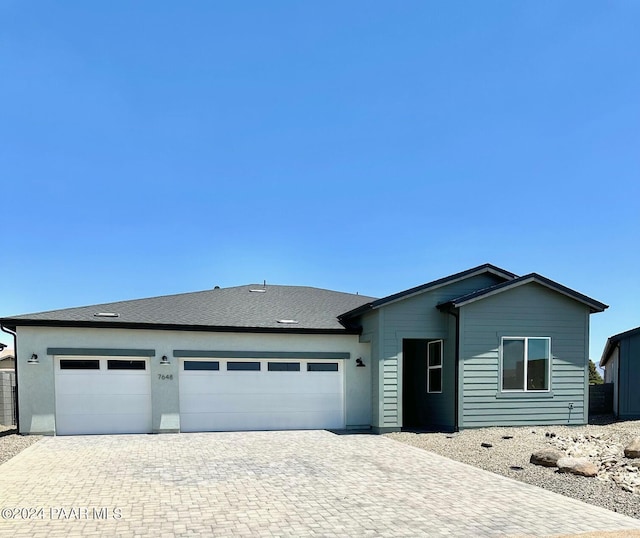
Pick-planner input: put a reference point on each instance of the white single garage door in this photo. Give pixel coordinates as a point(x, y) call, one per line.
point(102, 395)
point(228, 395)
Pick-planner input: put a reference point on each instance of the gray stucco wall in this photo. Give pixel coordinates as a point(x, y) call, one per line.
point(529, 310)
point(418, 317)
point(36, 381)
point(629, 378)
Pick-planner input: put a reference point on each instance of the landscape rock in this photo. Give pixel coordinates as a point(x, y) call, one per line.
point(577, 466)
point(547, 457)
point(632, 450)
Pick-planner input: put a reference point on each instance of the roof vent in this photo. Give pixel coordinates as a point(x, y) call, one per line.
point(106, 315)
point(258, 290)
point(216, 287)
point(287, 321)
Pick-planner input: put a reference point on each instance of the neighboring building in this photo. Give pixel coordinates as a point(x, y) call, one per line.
point(621, 362)
point(481, 347)
point(7, 358)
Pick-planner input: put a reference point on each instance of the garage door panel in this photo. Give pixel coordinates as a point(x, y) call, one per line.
point(102, 384)
point(90, 424)
point(274, 382)
point(264, 402)
point(263, 388)
point(224, 400)
point(103, 404)
point(102, 401)
point(259, 421)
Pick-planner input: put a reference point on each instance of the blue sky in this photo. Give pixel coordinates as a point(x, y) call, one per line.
point(149, 148)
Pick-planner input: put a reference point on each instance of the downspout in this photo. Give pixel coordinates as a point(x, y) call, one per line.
point(618, 380)
point(15, 369)
point(456, 405)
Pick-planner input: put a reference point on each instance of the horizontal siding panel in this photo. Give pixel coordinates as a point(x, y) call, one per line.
point(567, 388)
point(521, 322)
point(471, 381)
point(573, 395)
point(491, 374)
point(512, 416)
point(523, 406)
point(562, 374)
point(473, 389)
point(539, 421)
point(476, 362)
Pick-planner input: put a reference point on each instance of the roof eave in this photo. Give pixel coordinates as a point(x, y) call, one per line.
point(417, 290)
point(608, 350)
point(612, 343)
point(12, 324)
point(594, 306)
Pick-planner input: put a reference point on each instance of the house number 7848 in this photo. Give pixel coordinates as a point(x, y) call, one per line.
point(165, 376)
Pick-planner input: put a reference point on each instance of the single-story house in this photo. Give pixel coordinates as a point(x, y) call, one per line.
point(621, 362)
point(482, 347)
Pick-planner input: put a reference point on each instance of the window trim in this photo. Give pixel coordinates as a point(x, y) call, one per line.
point(435, 367)
point(524, 390)
point(243, 366)
point(188, 366)
point(318, 367)
point(118, 365)
point(275, 366)
point(65, 364)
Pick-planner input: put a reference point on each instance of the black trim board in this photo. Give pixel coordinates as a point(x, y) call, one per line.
point(100, 352)
point(13, 323)
point(216, 354)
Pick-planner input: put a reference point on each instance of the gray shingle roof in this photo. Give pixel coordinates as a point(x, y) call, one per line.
point(221, 308)
point(594, 306)
point(484, 268)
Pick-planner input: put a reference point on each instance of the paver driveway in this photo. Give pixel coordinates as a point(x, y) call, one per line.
point(305, 483)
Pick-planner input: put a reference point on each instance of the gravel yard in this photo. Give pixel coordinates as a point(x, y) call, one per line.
point(11, 443)
point(512, 447)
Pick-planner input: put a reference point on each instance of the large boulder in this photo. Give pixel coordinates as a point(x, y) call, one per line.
point(547, 457)
point(577, 466)
point(632, 450)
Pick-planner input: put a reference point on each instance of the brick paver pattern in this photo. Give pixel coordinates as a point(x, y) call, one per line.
point(290, 483)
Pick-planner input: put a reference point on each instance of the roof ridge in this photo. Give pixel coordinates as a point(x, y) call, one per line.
point(431, 284)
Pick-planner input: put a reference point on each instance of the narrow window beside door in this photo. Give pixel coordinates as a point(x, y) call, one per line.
point(434, 366)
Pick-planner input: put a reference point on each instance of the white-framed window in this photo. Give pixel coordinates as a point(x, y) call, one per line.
point(525, 363)
point(434, 366)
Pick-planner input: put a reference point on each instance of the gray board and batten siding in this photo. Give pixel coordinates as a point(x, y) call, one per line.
point(621, 362)
point(629, 378)
point(530, 310)
point(415, 317)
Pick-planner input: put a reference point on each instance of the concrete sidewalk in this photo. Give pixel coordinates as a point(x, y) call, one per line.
point(297, 483)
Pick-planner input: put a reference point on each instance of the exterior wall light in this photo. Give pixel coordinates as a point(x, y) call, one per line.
point(359, 363)
point(33, 359)
point(164, 361)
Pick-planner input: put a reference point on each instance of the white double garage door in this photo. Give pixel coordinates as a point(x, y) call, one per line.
point(113, 394)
